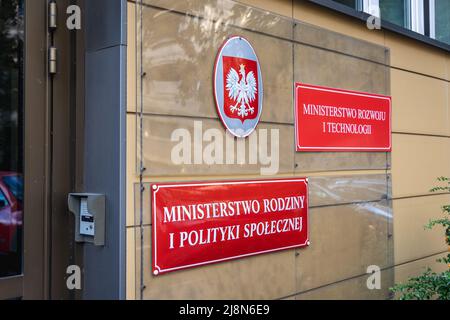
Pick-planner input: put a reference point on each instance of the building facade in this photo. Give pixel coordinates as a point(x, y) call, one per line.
point(130, 103)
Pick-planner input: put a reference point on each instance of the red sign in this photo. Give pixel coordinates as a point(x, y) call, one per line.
point(330, 119)
point(207, 222)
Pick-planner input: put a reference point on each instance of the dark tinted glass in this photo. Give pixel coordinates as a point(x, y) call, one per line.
point(349, 3)
point(443, 20)
point(11, 136)
point(393, 11)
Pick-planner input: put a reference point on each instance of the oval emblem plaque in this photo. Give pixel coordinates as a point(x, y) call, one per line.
point(238, 86)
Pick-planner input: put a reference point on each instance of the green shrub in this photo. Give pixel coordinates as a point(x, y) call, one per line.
point(431, 285)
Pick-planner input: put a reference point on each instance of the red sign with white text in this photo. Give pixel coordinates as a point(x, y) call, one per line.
point(207, 222)
point(329, 119)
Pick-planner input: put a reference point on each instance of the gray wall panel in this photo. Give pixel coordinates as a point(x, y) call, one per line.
point(105, 142)
point(105, 24)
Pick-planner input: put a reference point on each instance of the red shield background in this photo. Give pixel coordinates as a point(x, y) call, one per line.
point(250, 65)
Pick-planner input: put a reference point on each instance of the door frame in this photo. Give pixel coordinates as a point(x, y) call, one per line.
point(37, 153)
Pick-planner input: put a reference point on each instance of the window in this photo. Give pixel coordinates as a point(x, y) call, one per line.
point(349, 3)
point(428, 18)
point(368, 6)
point(404, 13)
point(440, 20)
point(393, 11)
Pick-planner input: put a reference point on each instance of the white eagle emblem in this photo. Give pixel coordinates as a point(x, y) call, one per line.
point(242, 89)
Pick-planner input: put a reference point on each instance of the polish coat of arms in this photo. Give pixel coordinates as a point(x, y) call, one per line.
point(238, 86)
point(241, 88)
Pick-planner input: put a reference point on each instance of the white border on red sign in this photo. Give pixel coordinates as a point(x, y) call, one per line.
point(156, 188)
point(305, 86)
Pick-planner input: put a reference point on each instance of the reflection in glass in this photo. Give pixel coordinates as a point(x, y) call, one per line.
point(11, 136)
point(442, 15)
point(393, 11)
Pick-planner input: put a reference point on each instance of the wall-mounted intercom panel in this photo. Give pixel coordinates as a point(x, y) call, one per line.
point(89, 211)
point(87, 220)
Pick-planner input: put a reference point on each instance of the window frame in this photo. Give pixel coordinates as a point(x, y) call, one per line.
point(371, 7)
point(415, 16)
point(432, 21)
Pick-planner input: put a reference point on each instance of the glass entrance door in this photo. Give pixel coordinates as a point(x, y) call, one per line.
point(38, 127)
point(11, 137)
point(24, 85)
